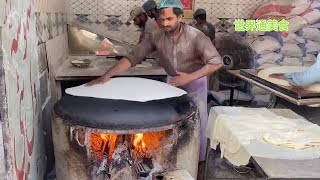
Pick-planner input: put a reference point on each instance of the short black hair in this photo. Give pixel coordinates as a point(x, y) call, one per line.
point(176, 11)
point(201, 16)
point(144, 14)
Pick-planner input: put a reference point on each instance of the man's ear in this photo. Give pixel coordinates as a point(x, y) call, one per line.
point(153, 11)
point(180, 17)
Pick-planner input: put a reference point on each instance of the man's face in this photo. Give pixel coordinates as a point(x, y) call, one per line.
point(140, 20)
point(150, 14)
point(169, 20)
point(197, 20)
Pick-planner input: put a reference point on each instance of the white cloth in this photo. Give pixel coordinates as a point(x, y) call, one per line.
point(242, 133)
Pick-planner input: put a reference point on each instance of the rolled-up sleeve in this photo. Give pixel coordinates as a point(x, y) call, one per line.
point(207, 50)
point(141, 51)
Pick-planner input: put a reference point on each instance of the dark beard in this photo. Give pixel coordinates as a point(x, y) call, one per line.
point(176, 28)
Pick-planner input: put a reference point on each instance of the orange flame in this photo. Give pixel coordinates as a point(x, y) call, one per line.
point(138, 141)
point(144, 144)
point(102, 142)
point(104, 136)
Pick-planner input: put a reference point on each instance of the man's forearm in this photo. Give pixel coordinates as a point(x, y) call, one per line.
point(205, 71)
point(123, 65)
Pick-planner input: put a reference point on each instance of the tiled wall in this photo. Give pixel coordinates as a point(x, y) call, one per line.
point(51, 22)
point(48, 19)
point(2, 5)
point(50, 6)
point(3, 123)
point(2, 156)
point(111, 15)
point(50, 25)
point(27, 37)
point(22, 127)
point(51, 28)
point(107, 15)
point(51, 18)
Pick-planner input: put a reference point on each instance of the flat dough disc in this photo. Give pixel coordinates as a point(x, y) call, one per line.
point(265, 74)
point(128, 88)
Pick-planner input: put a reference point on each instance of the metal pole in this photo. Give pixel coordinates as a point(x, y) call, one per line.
point(231, 96)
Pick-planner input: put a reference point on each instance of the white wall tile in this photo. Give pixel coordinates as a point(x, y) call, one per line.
point(42, 58)
point(57, 51)
point(84, 6)
point(54, 25)
point(44, 20)
point(50, 5)
point(116, 11)
point(2, 158)
point(2, 13)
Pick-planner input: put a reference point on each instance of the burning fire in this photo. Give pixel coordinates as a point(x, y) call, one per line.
point(143, 144)
point(138, 142)
point(104, 136)
point(102, 142)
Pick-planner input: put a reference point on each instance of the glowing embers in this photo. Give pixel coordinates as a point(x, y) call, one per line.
point(131, 156)
point(146, 145)
point(102, 144)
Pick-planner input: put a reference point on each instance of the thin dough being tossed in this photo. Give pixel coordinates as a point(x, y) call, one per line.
point(265, 74)
point(128, 88)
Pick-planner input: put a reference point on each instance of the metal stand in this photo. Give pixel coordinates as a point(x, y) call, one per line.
point(231, 96)
point(207, 159)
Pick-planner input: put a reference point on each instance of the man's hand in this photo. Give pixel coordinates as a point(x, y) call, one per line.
point(100, 80)
point(181, 80)
point(277, 76)
point(123, 65)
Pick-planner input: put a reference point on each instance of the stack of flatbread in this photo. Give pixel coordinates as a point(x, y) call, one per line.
point(296, 138)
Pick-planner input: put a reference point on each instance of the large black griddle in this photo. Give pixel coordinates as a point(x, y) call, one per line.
point(124, 115)
point(294, 92)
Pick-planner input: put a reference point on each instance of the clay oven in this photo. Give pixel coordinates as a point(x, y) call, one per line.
point(118, 139)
